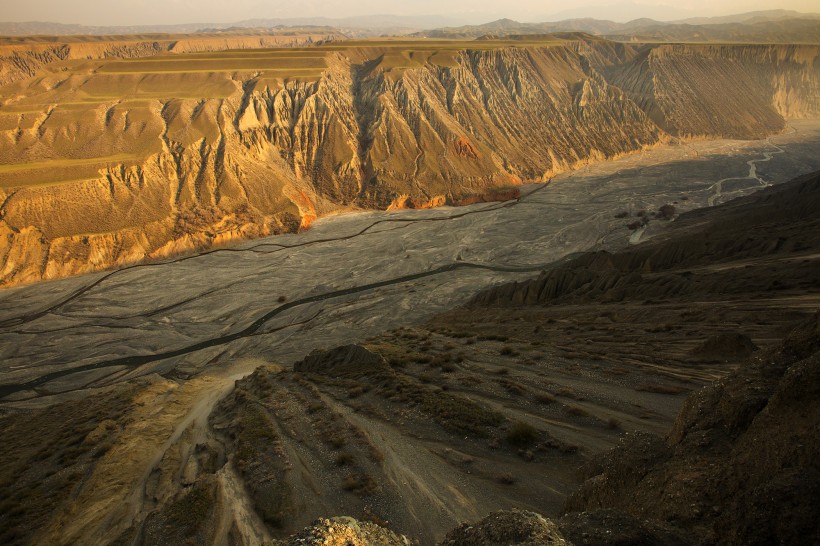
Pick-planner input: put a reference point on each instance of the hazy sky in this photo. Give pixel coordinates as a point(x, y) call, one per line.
point(137, 12)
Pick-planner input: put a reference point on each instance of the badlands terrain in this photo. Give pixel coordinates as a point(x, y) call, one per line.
point(247, 330)
point(120, 151)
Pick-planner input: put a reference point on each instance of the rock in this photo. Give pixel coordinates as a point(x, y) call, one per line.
point(740, 465)
point(345, 360)
point(513, 527)
point(344, 531)
point(725, 346)
point(610, 527)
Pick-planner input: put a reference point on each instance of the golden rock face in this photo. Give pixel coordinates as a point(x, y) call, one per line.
point(115, 152)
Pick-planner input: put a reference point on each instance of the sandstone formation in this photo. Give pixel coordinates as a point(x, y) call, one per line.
point(131, 158)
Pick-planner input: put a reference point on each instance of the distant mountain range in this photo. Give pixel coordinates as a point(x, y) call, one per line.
point(757, 26)
point(370, 25)
point(762, 26)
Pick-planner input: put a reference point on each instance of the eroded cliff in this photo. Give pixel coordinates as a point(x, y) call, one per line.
point(110, 162)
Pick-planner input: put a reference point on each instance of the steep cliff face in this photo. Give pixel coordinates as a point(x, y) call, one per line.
point(116, 161)
point(733, 91)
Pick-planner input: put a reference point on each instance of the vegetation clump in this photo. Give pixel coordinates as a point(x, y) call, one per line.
point(522, 435)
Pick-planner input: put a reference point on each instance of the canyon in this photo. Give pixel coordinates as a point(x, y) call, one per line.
point(118, 152)
point(543, 289)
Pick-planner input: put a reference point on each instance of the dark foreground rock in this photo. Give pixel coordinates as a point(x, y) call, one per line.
point(740, 466)
point(513, 527)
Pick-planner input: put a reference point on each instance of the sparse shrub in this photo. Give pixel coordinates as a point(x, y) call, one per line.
point(567, 393)
point(622, 214)
point(522, 435)
point(281, 299)
point(577, 411)
point(336, 441)
point(458, 414)
point(361, 484)
point(314, 407)
point(512, 387)
point(493, 337)
point(344, 459)
point(506, 478)
point(613, 423)
point(356, 392)
point(666, 212)
point(544, 398)
point(506, 350)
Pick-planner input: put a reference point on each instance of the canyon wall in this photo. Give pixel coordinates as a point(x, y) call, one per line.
point(109, 162)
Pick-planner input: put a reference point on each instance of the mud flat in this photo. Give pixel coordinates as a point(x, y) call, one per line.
point(353, 276)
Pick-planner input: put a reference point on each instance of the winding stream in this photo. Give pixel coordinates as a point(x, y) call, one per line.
point(767, 156)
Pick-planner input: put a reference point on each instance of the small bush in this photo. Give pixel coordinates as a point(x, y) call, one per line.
point(506, 478)
point(567, 393)
point(493, 337)
point(666, 212)
point(578, 412)
point(522, 435)
point(344, 459)
point(544, 398)
point(506, 350)
point(361, 484)
point(613, 423)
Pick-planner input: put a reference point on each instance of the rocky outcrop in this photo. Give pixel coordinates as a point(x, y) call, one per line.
point(347, 360)
point(740, 466)
point(344, 531)
point(514, 528)
point(110, 163)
